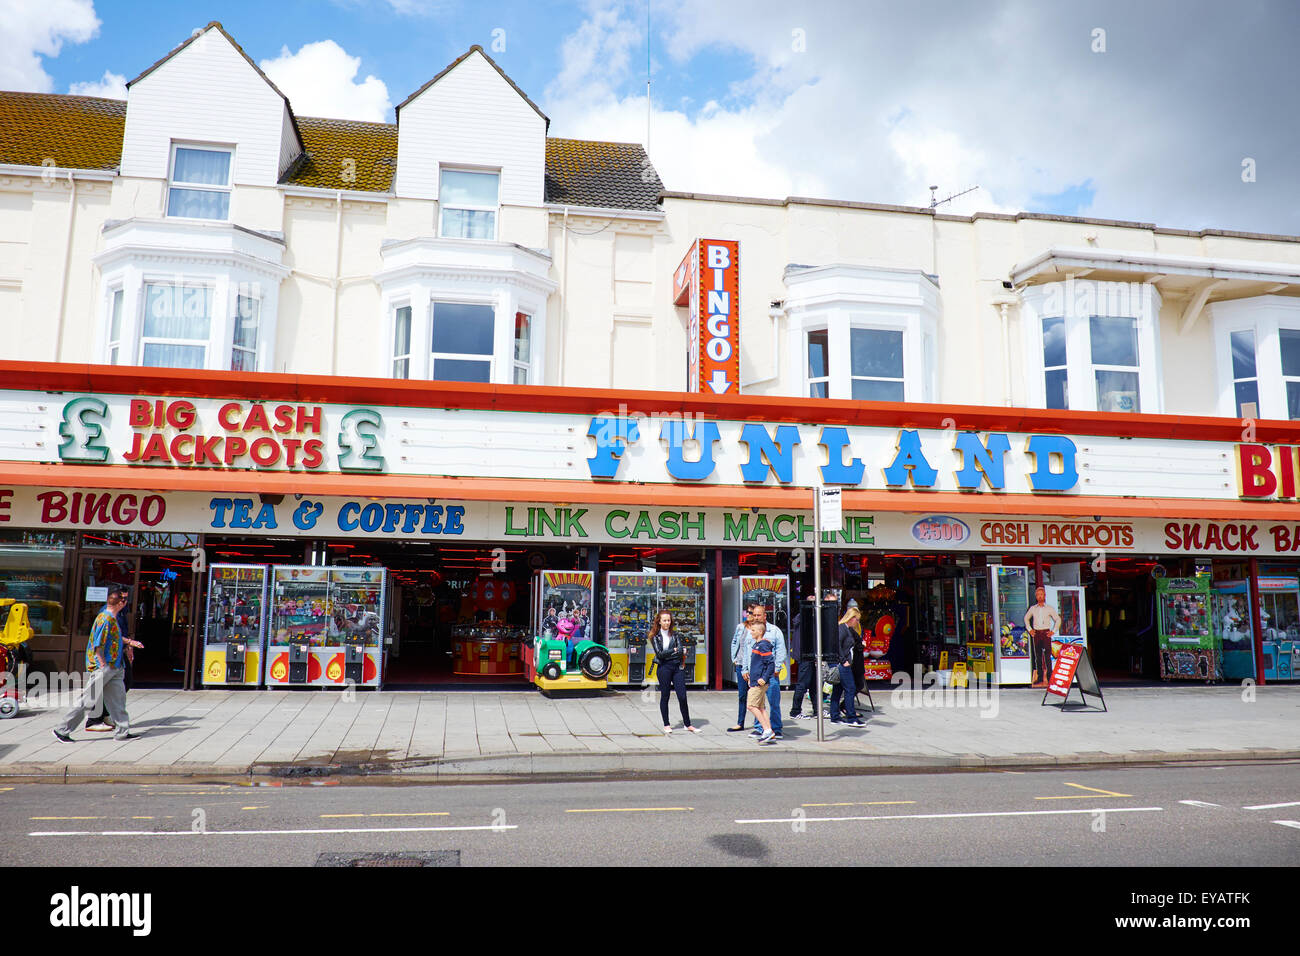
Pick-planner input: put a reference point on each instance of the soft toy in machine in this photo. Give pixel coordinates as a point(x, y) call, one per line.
point(561, 655)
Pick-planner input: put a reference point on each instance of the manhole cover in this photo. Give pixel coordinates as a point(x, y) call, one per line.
point(401, 858)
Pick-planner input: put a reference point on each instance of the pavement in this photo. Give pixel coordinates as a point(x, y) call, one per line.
point(467, 736)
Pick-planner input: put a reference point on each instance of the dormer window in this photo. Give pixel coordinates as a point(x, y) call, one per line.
point(467, 203)
point(200, 183)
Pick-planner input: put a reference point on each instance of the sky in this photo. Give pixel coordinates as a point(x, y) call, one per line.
point(1181, 113)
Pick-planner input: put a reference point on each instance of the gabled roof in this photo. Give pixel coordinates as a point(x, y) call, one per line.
point(75, 132)
point(582, 172)
point(457, 62)
point(216, 25)
point(85, 132)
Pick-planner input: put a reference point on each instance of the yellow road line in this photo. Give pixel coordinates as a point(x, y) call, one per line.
point(261, 807)
point(142, 818)
point(66, 818)
point(630, 810)
point(5, 789)
point(1086, 796)
point(873, 803)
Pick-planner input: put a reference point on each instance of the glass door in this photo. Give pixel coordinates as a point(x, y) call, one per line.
point(95, 575)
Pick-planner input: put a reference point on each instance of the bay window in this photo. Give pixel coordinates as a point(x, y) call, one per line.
point(243, 345)
point(115, 326)
point(523, 348)
point(861, 333)
point(462, 342)
point(1093, 346)
point(176, 325)
point(1257, 349)
point(402, 342)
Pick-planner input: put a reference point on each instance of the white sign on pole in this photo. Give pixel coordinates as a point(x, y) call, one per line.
point(832, 517)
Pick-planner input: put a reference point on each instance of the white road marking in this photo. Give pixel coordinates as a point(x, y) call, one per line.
point(954, 816)
point(1295, 824)
point(1273, 806)
point(155, 833)
point(1198, 803)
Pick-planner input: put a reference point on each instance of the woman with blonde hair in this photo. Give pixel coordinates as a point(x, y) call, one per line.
point(849, 638)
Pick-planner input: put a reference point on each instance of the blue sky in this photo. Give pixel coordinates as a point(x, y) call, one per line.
point(1145, 112)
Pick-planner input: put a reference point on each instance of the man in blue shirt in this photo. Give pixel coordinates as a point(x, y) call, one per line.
point(105, 658)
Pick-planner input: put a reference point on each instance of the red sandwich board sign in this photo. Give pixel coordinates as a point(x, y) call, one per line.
point(708, 281)
point(1073, 667)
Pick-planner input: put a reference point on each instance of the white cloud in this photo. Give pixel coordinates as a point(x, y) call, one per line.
point(32, 29)
point(111, 86)
point(876, 102)
point(321, 80)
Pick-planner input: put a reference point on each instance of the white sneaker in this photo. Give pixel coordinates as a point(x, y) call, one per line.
point(668, 730)
point(767, 737)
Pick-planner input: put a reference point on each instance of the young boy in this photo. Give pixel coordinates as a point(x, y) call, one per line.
point(762, 671)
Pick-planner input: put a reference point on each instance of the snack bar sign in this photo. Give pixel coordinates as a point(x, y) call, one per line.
point(708, 279)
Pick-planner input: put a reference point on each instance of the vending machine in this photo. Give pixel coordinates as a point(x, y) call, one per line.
point(631, 601)
point(234, 629)
point(326, 627)
point(1232, 621)
point(1189, 647)
point(1279, 616)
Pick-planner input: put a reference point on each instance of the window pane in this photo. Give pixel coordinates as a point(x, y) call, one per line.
point(1246, 394)
point(1289, 339)
point(817, 390)
point(1117, 392)
point(177, 311)
point(402, 368)
point(817, 360)
point(207, 167)
point(247, 312)
point(468, 224)
point(521, 375)
point(523, 337)
point(1293, 399)
point(173, 356)
point(1114, 340)
point(198, 204)
point(243, 360)
point(402, 332)
point(868, 390)
point(876, 352)
point(459, 370)
point(459, 188)
point(466, 329)
point(34, 576)
point(1053, 343)
point(1058, 388)
point(115, 323)
point(1243, 353)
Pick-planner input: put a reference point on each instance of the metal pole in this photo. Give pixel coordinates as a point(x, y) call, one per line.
point(817, 594)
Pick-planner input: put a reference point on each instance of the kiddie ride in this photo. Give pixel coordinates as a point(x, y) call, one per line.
point(14, 635)
point(557, 663)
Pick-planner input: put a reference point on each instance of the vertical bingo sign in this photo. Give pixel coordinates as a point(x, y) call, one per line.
point(708, 279)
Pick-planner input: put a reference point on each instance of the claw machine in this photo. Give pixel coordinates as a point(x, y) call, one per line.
point(234, 630)
point(1189, 647)
point(631, 601)
point(1232, 622)
point(326, 627)
point(1279, 616)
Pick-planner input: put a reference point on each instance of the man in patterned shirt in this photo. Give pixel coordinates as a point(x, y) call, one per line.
point(104, 673)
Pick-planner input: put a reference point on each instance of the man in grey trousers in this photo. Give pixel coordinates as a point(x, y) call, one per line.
point(105, 662)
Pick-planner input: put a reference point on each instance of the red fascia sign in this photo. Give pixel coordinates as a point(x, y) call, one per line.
point(708, 280)
point(1067, 662)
